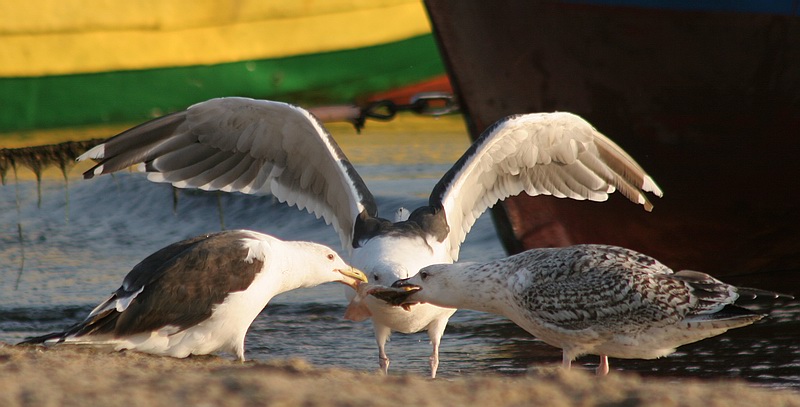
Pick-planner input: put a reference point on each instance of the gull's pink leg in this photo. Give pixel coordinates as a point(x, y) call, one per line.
point(602, 370)
point(381, 336)
point(435, 332)
point(434, 360)
point(566, 361)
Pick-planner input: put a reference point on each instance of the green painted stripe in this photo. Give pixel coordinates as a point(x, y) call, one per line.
point(132, 96)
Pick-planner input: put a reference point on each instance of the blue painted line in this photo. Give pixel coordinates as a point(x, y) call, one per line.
point(777, 7)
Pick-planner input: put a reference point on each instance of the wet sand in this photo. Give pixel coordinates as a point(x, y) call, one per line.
point(74, 376)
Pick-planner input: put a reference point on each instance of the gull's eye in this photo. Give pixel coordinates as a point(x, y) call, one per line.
point(375, 277)
point(331, 256)
point(423, 275)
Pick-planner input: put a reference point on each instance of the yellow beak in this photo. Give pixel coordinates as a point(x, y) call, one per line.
point(356, 277)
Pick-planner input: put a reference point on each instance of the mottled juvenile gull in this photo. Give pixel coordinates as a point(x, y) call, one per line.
point(200, 295)
point(588, 299)
point(263, 147)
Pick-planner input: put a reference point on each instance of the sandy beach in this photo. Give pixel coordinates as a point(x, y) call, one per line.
point(72, 376)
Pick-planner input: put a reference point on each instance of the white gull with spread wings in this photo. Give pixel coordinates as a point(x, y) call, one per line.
point(266, 147)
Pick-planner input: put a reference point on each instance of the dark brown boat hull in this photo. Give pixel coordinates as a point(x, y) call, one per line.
point(707, 102)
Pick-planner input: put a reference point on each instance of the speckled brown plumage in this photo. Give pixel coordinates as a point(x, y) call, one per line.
point(591, 299)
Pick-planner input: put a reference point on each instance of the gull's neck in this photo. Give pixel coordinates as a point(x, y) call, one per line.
point(476, 286)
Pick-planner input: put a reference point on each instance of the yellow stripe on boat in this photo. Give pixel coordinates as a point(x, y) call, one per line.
point(73, 62)
point(59, 37)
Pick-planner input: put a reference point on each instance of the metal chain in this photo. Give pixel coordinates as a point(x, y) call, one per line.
point(425, 104)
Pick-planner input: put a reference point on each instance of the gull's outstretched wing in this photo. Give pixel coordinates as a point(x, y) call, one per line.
point(245, 145)
point(557, 154)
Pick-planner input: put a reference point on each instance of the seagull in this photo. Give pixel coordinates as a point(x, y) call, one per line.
point(263, 147)
point(200, 295)
point(587, 299)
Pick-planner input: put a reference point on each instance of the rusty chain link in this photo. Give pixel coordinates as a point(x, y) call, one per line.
point(425, 104)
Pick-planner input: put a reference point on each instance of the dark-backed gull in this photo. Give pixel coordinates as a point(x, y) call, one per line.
point(587, 299)
point(200, 295)
point(262, 147)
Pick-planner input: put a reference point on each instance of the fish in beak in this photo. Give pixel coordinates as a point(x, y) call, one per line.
point(357, 310)
point(397, 294)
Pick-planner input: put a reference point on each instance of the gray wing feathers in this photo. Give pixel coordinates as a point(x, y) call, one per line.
point(581, 286)
point(556, 154)
point(134, 145)
point(244, 145)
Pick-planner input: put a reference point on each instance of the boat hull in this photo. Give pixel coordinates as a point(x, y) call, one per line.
point(707, 102)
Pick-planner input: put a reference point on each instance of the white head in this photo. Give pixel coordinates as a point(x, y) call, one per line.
point(436, 284)
point(460, 285)
point(386, 259)
point(311, 264)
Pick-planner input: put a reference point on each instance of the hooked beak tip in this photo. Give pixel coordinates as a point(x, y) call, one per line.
point(357, 275)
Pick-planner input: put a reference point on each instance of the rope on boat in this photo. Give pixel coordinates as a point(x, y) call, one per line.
point(63, 155)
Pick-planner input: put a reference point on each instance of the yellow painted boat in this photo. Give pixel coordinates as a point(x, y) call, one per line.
point(69, 62)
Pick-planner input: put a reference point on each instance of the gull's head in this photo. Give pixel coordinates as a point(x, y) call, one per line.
point(442, 285)
point(326, 261)
point(389, 258)
point(433, 277)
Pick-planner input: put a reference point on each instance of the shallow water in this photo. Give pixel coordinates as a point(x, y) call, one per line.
point(72, 264)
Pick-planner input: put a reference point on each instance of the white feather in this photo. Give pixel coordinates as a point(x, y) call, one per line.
point(555, 154)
